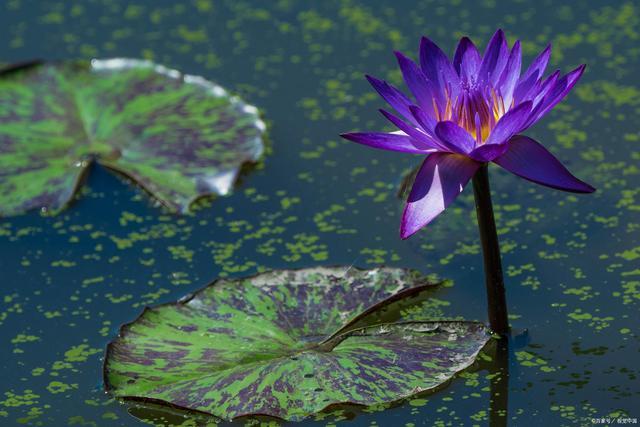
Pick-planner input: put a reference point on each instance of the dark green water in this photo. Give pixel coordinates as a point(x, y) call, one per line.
point(572, 262)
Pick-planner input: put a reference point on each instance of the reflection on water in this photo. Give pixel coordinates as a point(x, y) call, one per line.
point(499, 397)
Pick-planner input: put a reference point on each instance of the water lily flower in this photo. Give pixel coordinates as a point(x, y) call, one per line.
point(467, 113)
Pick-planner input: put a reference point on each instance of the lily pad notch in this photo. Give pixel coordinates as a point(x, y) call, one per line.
point(179, 136)
point(289, 344)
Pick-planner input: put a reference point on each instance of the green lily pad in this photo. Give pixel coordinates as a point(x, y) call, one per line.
point(288, 344)
point(178, 136)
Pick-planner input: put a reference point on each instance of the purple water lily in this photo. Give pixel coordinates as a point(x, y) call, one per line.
point(468, 113)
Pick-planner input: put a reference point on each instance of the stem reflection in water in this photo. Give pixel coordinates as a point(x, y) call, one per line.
point(499, 394)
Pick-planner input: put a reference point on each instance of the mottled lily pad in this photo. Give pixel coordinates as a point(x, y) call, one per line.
point(178, 136)
point(288, 344)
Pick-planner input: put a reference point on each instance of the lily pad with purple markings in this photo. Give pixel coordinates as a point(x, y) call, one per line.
point(178, 136)
point(288, 344)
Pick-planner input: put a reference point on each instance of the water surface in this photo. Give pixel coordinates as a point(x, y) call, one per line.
point(572, 262)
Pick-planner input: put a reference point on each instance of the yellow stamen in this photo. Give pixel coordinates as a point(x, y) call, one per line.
point(464, 112)
point(436, 111)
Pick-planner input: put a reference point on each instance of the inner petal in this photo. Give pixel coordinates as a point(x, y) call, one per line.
point(475, 111)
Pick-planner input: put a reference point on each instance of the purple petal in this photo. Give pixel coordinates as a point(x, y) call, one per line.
point(417, 83)
point(523, 88)
point(426, 122)
point(386, 141)
point(494, 59)
point(539, 64)
point(454, 137)
point(530, 160)
point(532, 75)
point(393, 96)
point(510, 74)
point(542, 88)
point(538, 104)
point(439, 71)
point(558, 92)
point(538, 94)
point(419, 138)
point(509, 124)
point(466, 60)
point(486, 153)
point(440, 180)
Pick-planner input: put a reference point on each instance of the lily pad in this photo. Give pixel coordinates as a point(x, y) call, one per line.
point(178, 136)
point(288, 344)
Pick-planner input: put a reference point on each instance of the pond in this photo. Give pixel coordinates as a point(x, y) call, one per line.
point(572, 262)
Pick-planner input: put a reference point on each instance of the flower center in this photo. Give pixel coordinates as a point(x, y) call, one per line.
point(473, 110)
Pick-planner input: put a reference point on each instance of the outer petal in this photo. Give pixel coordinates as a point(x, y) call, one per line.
point(419, 138)
point(454, 137)
point(542, 88)
point(537, 95)
point(466, 60)
point(509, 124)
point(523, 88)
point(486, 153)
point(539, 64)
point(417, 83)
point(439, 71)
point(495, 58)
point(393, 96)
point(532, 75)
point(510, 74)
point(440, 180)
point(557, 93)
point(530, 160)
point(428, 124)
point(386, 141)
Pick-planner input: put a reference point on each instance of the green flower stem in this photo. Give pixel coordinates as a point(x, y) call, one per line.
point(491, 252)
